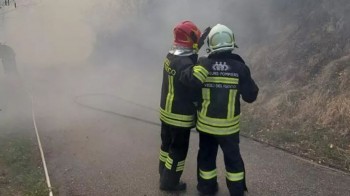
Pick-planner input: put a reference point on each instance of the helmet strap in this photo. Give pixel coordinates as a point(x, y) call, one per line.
point(193, 37)
point(195, 47)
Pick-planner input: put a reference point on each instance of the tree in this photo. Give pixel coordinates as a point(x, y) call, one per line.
point(7, 55)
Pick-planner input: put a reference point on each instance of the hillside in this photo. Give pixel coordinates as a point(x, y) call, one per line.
point(304, 73)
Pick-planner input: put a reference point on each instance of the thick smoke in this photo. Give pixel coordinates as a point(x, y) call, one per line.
point(132, 36)
point(144, 28)
point(49, 32)
point(65, 32)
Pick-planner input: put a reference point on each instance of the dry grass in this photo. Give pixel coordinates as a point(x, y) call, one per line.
point(304, 79)
point(337, 112)
point(312, 120)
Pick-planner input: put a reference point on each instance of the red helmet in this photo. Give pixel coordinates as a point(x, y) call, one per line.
point(186, 34)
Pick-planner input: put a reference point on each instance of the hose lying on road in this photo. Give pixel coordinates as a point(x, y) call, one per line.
point(16, 83)
point(76, 100)
point(47, 177)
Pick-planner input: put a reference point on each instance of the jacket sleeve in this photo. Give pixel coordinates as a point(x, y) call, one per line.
point(238, 58)
point(193, 75)
point(248, 88)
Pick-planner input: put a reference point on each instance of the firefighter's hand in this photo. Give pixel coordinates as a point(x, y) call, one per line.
point(203, 37)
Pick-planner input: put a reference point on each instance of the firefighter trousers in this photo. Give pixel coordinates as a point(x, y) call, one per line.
point(173, 152)
point(206, 164)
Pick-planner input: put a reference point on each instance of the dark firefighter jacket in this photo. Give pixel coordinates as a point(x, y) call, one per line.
point(227, 79)
point(176, 104)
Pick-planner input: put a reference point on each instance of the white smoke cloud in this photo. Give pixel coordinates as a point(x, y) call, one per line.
point(50, 32)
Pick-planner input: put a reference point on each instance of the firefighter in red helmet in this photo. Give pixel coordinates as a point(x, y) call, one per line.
point(177, 111)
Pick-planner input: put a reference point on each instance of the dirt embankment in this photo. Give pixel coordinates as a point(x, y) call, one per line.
point(303, 70)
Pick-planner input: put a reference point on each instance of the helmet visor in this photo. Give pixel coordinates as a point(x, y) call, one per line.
point(221, 39)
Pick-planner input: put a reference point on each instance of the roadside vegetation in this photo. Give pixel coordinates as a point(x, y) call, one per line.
point(21, 171)
point(304, 77)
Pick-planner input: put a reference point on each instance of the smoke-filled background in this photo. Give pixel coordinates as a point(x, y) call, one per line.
point(125, 41)
point(71, 31)
point(298, 52)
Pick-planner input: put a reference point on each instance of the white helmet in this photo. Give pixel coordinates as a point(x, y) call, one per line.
point(220, 38)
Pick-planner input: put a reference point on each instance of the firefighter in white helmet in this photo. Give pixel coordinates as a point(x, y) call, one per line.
point(218, 117)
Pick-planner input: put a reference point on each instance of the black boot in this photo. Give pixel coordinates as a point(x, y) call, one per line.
point(181, 186)
point(208, 190)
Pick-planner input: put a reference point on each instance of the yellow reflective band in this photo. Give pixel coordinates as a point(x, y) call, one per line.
point(222, 80)
point(195, 46)
point(176, 122)
point(199, 76)
point(177, 119)
point(180, 168)
point(207, 175)
point(217, 122)
point(162, 158)
point(200, 73)
point(231, 103)
point(217, 130)
point(168, 166)
point(173, 116)
point(206, 100)
point(169, 163)
point(164, 153)
point(201, 69)
point(170, 96)
point(181, 163)
point(169, 160)
point(234, 177)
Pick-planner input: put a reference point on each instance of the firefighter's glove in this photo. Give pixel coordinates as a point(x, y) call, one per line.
point(203, 37)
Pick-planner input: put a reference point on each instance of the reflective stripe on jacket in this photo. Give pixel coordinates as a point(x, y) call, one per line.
point(176, 104)
point(228, 79)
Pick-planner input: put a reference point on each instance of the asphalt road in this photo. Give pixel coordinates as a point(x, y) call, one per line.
point(110, 146)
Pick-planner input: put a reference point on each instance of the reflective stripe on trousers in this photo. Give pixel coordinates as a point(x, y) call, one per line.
point(207, 175)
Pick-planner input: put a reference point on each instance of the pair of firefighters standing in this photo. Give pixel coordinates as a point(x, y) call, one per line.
point(203, 93)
